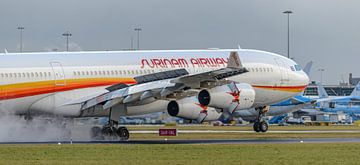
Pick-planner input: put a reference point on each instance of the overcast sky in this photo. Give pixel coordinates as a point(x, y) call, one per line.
point(325, 31)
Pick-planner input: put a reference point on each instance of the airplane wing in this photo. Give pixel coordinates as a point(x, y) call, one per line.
point(161, 85)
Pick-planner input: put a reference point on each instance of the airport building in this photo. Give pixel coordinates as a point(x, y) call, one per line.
point(352, 80)
point(332, 90)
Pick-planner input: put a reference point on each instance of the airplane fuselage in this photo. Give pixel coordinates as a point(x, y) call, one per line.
point(40, 82)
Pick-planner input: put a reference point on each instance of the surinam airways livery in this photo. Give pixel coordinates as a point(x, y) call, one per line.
point(192, 84)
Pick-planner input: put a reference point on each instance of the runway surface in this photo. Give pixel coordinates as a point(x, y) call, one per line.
point(225, 131)
point(237, 141)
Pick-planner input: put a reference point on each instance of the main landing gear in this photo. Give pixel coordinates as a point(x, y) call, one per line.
point(110, 132)
point(260, 124)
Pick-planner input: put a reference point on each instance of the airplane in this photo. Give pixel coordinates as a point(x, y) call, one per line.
point(191, 84)
point(348, 104)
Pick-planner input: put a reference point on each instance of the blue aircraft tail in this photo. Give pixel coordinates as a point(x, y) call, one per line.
point(321, 91)
point(356, 91)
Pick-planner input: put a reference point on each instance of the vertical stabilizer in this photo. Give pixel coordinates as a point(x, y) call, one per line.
point(307, 68)
point(356, 91)
point(321, 91)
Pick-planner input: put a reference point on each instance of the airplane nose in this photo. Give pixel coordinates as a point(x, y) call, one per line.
point(305, 78)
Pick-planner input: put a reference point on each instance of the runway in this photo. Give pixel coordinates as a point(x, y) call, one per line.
point(236, 141)
point(226, 131)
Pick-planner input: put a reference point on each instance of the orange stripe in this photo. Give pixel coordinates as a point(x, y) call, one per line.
point(18, 90)
point(283, 88)
point(12, 91)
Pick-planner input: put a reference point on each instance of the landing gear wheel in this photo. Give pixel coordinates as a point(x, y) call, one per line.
point(263, 126)
point(256, 127)
point(123, 133)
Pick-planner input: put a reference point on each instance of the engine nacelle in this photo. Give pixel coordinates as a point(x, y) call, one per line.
point(190, 108)
point(225, 96)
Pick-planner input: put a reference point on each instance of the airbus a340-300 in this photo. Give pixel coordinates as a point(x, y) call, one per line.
point(193, 84)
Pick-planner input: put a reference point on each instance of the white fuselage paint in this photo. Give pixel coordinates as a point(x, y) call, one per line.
point(265, 69)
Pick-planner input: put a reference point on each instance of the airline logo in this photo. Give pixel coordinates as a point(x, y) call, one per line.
point(182, 62)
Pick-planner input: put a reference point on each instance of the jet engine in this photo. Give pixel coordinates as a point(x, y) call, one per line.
point(230, 97)
point(190, 108)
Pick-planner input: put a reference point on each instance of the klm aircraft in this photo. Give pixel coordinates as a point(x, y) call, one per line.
point(347, 104)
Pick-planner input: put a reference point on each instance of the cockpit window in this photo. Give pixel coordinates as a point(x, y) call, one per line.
point(295, 68)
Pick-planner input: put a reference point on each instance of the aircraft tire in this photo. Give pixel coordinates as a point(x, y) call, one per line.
point(263, 126)
point(123, 133)
point(256, 126)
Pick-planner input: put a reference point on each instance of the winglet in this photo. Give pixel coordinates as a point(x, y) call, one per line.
point(234, 60)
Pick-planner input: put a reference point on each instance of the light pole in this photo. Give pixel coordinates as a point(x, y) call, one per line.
point(321, 70)
point(138, 37)
point(132, 43)
point(21, 34)
point(67, 35)
point(288, 31)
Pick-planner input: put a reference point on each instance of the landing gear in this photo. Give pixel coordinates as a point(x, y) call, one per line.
point(110, 132)
point(260, 124)
point(123, 133)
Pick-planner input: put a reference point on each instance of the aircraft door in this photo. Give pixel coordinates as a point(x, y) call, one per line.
point(59, 75)
point(284, 70)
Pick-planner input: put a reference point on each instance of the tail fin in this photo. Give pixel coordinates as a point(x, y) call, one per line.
point(307, 68)
point(356, 91)
point(321, 91)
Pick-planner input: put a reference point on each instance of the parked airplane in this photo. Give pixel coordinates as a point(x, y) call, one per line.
point(348, 104)
point(192, 84)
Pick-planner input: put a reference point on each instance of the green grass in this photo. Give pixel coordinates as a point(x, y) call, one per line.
point(242, 135)
point(300, 153)
point(248, 127)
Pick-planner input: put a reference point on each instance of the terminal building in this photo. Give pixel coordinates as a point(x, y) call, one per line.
point(343, 89)
point(352, 80)
point(332, 90)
